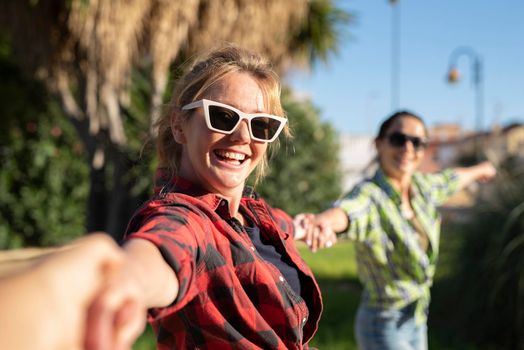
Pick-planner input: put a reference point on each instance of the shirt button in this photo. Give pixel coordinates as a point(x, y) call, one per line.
point(252, 248)
point(304, 320)
point(281, 278)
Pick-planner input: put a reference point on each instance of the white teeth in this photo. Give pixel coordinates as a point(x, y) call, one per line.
point(232, 155)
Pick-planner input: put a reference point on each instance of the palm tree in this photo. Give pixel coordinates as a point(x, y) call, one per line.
point(86, 52)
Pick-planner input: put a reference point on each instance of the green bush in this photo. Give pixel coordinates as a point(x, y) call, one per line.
point(488, 283)
point(43, 178)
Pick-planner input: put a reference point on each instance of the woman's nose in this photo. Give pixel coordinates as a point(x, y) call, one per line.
point(241, 133)
point(408, 147)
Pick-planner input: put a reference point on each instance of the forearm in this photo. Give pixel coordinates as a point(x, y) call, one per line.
point(154, 277)
point(48, 292)
point(481, 172)
point(335, 218)
point(26, 312)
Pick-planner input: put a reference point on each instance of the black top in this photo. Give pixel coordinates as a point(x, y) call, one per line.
point(269, 253)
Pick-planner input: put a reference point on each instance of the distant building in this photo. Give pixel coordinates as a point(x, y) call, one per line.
point(356, 153)
point(448, 145)
point(451, 147)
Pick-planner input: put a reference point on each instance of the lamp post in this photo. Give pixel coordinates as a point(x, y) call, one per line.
point(395, 54)
point(477, 79)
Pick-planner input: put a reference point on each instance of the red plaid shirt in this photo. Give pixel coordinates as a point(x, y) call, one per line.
point(229, 297)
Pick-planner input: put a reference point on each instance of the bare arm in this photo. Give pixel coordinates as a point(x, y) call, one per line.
point(336, 218)
point(51, 297)
point(482, 172)
point(157, 280)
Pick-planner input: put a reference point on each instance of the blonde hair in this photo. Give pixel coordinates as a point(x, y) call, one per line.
point(192, 85)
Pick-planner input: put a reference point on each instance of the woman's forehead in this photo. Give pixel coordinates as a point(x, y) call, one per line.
point(408, 125)
point(240, 90)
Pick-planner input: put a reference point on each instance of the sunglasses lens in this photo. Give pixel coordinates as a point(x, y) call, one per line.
point(397, 139)
point(417, 143)
point(222, 118)
point(264, 128)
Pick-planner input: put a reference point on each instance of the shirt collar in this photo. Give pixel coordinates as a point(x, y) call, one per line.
point(381, 179)
point(384, 183)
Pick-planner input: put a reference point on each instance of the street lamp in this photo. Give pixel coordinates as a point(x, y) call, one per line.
point(453, 76)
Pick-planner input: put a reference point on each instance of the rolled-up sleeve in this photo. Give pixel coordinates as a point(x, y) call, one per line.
point(357, 206)
point(440, 186)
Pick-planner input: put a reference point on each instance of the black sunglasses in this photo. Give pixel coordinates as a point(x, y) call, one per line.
point(398, 139)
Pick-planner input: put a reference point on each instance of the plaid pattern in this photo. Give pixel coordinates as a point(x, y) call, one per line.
point(229, 297)
point(393, 268)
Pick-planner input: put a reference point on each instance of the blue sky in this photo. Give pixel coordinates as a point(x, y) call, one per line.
point(353, 91)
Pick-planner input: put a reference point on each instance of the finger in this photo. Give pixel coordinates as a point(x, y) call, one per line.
point(331, 237)
point(310, 234)
point(322, 239)
point(98, 335)
point(102, 313)
point(298, 226)
point(328, 236)
point(129, 324)
point(317, 240)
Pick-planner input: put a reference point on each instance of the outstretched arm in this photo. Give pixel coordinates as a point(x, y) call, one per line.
point(481, 172)
point(44, 305)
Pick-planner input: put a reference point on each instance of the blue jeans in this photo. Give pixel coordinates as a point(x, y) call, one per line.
point(389, 329)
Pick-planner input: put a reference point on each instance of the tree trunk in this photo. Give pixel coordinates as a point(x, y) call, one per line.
point(122, 203)
point(97, 201)
point(111, 201)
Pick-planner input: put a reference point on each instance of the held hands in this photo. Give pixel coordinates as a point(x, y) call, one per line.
point(74, 278)
point(314, 232)
point(105, 330)
point(116, 315)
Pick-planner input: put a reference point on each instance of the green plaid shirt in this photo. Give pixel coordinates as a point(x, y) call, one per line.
point(393, 268)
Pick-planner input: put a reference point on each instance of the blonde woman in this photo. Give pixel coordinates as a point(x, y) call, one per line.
point(215, 265)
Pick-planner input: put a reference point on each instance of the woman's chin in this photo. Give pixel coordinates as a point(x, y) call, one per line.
point(400, 171)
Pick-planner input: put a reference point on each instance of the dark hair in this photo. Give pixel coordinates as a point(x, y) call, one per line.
point(386, 124)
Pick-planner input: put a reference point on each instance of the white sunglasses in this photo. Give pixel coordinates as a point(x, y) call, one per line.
point(225, 119)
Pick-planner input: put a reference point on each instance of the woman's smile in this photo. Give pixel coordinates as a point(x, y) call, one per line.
point(230, 157)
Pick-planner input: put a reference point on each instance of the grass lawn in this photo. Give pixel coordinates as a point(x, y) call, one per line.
point(336, 273)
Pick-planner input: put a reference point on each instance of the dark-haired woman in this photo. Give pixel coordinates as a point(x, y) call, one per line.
point(392, 217)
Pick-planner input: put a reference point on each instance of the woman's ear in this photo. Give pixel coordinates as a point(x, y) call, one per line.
point(176, 130)
point(378, 144)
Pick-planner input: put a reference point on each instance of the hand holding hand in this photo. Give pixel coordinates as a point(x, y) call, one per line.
point(52, 294)
point(91, 267)
point(116, 315)
point(315, 233)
